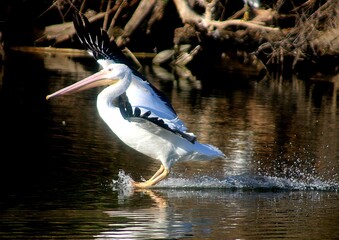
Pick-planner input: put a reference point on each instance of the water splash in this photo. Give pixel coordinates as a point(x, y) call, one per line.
point(123, 184)
point(250, 182)
point(237, 182)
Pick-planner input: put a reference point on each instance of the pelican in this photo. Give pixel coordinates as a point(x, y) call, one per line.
point(138, 113)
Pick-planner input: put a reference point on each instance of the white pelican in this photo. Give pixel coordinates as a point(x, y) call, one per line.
point(138, 113)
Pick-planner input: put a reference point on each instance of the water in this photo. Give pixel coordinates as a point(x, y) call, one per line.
point(64, 175)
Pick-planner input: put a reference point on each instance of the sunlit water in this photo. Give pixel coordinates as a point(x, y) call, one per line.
point(64, 175)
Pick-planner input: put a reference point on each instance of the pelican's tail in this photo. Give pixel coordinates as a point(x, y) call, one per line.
point(205, 152)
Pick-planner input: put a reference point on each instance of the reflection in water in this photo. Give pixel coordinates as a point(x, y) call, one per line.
point(218, 213)
point(153, 221)
point(58, 159)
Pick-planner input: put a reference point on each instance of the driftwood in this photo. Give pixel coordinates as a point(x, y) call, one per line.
point(208, 24)
point(314, 36)
point(313, 33)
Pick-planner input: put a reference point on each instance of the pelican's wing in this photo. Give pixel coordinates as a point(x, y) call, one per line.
point(97, 43)
point(148, 124)
point(146, 118)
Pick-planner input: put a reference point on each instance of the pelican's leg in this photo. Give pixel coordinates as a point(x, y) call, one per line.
point(161, 169)
point(157, 177)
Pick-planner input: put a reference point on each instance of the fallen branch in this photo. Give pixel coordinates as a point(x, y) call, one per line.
point(311, 30)
point(144, 8)
point(187, 15)
point(62, 32)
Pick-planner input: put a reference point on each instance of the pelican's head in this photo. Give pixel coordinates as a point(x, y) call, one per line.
point(110, 74)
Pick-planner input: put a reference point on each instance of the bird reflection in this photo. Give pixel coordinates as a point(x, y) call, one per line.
point(155, 220)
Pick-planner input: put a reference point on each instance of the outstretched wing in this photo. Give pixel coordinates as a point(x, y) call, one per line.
point(97, 42)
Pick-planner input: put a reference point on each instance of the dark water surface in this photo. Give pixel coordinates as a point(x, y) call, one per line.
point(64, 175)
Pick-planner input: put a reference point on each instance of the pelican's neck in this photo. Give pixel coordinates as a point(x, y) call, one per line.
point(113, 91)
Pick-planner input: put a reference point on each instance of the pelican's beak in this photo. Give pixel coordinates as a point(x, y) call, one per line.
point(96, 80)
